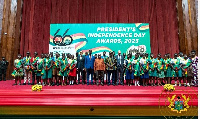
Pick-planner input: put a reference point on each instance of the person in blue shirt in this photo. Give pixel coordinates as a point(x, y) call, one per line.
point(89, 65)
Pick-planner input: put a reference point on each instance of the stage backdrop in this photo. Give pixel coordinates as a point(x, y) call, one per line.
point(72, 38)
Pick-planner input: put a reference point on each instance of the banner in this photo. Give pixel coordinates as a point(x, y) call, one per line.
point(100, 37)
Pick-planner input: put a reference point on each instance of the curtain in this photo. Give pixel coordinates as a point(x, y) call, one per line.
point(39, 14)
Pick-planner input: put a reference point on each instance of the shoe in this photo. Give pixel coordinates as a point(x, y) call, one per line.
point(57, 84)
point(29, 83)
point(19, 84)
point(87, 83)
point(175, 84)
point(14, 84)
point(53, 84)
point(39, 83)
point(32, 83)
point(101, 83)
point(113, 84)
point(188, 84)
point(108, 84)
point(24, 84)
point(179, 84)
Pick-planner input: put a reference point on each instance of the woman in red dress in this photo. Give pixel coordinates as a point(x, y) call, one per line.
point(72, 68)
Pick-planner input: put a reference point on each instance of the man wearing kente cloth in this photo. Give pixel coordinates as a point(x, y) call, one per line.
point(110, 67)
point(33, 61)
point(18, 70)
point(27, 67)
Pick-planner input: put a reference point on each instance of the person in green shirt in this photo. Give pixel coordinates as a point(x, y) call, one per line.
point(144, 69)
point(56, 68)
point(27, 68)
point(136, 65)
point(168, 68)
point(152, 69)
point(39, 68)
point(18, 71)
point(175, 68)
point(47, 70)
point(129, 70)
point(64, 71)
point(186, 68)
point(160, 69)
point(147, 68)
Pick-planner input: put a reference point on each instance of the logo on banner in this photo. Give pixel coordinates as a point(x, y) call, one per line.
point(62, 40)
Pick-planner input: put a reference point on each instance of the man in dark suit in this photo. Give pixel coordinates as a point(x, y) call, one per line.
point(3, 68)
point(120, 66)
point(89, 65)
point(81, 67)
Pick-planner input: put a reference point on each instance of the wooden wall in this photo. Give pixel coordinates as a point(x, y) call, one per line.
point(9, 46)
point(188, 32)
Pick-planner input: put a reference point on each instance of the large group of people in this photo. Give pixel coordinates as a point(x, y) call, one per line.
point(121, 69)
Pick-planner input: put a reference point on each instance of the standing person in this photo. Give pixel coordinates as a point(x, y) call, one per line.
point(153, 69)
point(47, 72)
point(161, 74)
point(80, 67)
point(124, 69)
point(89, 65)
point(105, 72)
point(63, 73)
point(180, 58)
point(27, 66)
point(166, 65)
point(136, 64)
point(99, 67)
point(72, 68)
point(33, 61)
point(144, 67)
point(18, 70)
point(186, 63)
point(110, 67)
point(129, 70)
point(147, 68)
point(56, 68)
point(95, 72)
point(195, 67)
point(39, 68)
point(175, 66)
point(3, 69)
point(120, 66)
